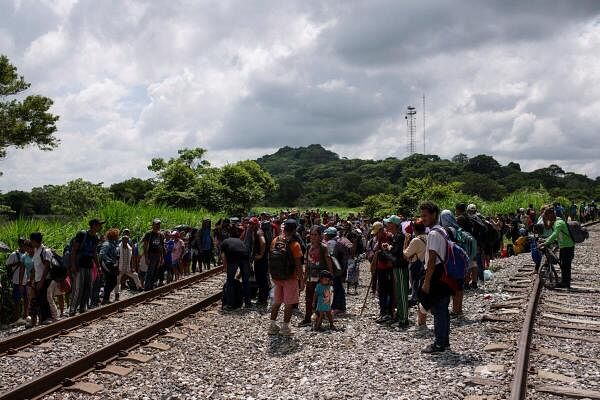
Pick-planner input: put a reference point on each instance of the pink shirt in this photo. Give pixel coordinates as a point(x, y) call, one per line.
point(177, 250)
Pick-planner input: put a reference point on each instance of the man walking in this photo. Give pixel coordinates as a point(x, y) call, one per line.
point(154, 252)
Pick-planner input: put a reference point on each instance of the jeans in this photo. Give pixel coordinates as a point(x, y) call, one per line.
point(339, 294)
point(384, 291)
point(441, 322)
point(261, 272)
point(416, 279)
point(81, 290)
point(244, 267)
point(153, 266)
point(566, 258)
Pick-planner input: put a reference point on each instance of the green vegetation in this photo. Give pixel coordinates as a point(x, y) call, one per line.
point(23, 120)
point(313, 176)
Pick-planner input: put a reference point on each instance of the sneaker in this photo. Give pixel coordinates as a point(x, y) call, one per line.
point(285, 331)
point(249, 306)
point(48, 321)
point(229, 308)
point(392, 321)
point(401, 325)
point(383, 318)
point(304, 323)
point(274, 330)
point(433, 348)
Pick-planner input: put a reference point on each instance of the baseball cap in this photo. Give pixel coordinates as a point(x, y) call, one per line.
point(376, 227)
point(394, 219)
point(155, 221)
point(290, 224)
point(95, 221)
point(331, 231)
point(471, 207)
point(254, 220)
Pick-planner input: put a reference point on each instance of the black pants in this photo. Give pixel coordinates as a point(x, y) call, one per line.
point(41, 301)
point(566, 258)
point(385, 291)
point(261, 272)
point(195, 261)
point(110, 282)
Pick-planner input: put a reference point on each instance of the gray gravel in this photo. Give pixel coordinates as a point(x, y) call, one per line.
point(231, 356)
point(98, 334)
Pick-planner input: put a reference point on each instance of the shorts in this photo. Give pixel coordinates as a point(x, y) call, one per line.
point(19, 292)
point(287, 292)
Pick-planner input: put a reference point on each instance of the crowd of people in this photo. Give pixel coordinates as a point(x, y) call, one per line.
point(276, 258)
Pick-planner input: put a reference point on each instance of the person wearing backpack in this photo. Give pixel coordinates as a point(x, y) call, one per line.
point(339, 254)
point(468, 244)
point(109, 262)
point(561, 234)
point(154, 253)
point(435, 292)
point(285, 262)
point(83, 257)
point(42, 257)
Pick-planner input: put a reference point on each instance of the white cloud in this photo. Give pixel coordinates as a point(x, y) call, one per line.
point(134, 80)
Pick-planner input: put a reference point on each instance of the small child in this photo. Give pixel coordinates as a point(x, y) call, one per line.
point(322, 300)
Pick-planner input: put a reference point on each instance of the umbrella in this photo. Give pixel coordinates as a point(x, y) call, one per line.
point(4, 248)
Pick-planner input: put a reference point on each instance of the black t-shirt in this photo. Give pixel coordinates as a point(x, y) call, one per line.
point(234, 249)
point(88, 244)
point(156, 243)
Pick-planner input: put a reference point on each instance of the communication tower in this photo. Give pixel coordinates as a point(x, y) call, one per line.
point(411, 128)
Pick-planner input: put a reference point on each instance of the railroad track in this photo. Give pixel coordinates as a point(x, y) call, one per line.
point(43, 360)
point(559, 345)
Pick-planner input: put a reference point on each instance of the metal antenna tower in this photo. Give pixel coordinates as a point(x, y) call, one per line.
point(424, 124)
point(411, 128)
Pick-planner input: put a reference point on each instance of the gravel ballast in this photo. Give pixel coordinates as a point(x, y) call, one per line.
point(231, 356)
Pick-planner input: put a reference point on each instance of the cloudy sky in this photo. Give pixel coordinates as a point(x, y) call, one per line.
point(132, 80)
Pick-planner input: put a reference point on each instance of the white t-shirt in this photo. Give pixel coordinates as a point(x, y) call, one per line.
point(38, 265)
point(436, 242)
point(14, 258)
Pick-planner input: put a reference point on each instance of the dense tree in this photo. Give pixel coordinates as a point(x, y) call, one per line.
point(23, 120)
point(131, 190)
point(75, 198)
point(19, 202)
point(460, 158)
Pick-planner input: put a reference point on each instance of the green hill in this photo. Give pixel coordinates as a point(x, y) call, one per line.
point(315, 176)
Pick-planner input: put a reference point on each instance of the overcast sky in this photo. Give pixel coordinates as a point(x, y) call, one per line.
point(132, 80)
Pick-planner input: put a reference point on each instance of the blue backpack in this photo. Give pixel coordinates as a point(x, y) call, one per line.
point(457, 260)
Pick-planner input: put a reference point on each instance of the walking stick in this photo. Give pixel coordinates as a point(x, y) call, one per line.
point(373, 264)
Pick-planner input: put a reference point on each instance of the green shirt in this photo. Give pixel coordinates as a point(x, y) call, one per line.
point(561, 234)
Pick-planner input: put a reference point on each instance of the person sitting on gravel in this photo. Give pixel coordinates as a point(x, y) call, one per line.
point(322, 300)
point(286, 270)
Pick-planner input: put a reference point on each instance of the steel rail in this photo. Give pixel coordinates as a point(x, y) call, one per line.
point(65, 375)
point(518, 389)
point(36, 336)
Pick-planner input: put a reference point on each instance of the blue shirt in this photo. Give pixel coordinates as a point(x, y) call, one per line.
point(324, 297)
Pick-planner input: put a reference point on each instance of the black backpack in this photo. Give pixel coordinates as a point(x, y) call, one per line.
point(281, 264)
point(58, 270)
point(578, 233)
